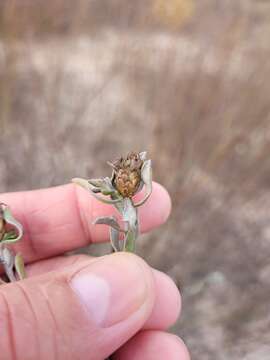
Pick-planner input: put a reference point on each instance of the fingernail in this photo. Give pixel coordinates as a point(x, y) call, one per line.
point(111, 289)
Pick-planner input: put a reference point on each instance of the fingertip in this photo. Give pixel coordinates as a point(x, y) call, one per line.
point(180, 347)
point(156, 210)
point(103, 286)
point(150, 344)
point(97, 305)
point(167, 305)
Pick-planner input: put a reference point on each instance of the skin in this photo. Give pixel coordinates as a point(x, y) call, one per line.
point(79, 307)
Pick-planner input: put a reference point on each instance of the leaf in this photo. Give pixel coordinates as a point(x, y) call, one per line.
point(130, 215)
point(86, 185)
point(143, 155)
point(9, 219)
point(110, 221)
point(114, 238)
point(129, 242)
point(146, 172)
point(10, 235)
point(96, 182)
point(19, 266)
point(7, 257)
point(146, 175)
point(114, 230)
point(103, 185)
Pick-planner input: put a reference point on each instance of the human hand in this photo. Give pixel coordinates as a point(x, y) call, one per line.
point(80, 307)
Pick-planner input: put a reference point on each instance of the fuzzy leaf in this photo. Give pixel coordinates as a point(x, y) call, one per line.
point(96, 182)
point(129, 242)
point(9, 219)
point(143, 155)
point(103, 185)
point(110, 221)
point(114, 238)
point(130, 215)
point(86, 185)
point(146, 174)
point(7, 257)
point(8, 236)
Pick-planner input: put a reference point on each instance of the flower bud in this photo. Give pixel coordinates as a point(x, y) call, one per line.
point(127, 174)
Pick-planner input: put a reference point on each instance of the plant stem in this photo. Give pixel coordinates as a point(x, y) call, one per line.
point(130, 242)
point(130, 216)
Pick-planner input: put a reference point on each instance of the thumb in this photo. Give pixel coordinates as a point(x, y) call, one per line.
point(83, 312)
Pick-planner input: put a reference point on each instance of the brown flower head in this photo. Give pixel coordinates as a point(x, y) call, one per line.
point(130, 175)
point(127, 174)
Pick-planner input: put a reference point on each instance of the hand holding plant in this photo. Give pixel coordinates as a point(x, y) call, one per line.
point(78, 307)
point(129, 176)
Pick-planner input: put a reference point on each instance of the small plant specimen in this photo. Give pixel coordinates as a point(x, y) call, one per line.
point(129, 176)
point(11, 231)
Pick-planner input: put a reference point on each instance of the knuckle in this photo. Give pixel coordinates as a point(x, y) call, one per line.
point(20, 322)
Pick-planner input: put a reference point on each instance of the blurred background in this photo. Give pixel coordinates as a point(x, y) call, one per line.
point(82, 82)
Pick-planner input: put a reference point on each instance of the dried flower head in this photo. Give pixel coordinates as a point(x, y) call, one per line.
point(129, 175)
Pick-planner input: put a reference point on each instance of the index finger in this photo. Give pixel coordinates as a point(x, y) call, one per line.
point(59, 219)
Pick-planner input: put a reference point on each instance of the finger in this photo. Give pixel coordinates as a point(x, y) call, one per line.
point(60, 219)
point(167, 304)
point(57, 263)
point(82, 312)
point(153, 345)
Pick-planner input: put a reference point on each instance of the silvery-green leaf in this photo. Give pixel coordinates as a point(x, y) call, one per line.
point(140, 187)
point(9, 219)
point(103, 185)
point(146, 175)
point(19, 266)
point(96, 182)
point(7, 257)
point(130, 241)
point(143, 155)
point(114, 238)
point(86, 185)
point(120, 205)
point(130, 217)
point(112, 165)
point(10, 273)
point(130, 214)
point(146, 172)
point(110, 221)
point(9, 236)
